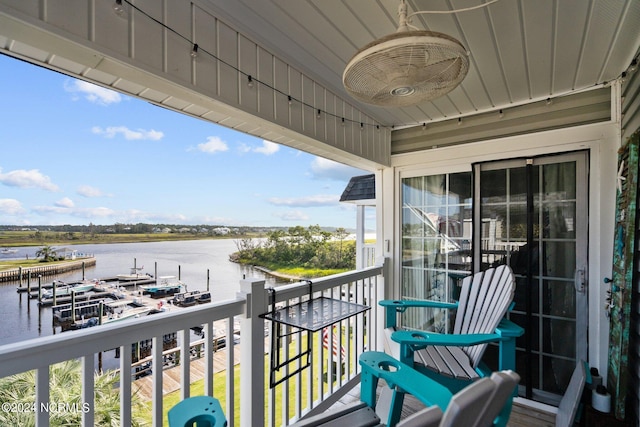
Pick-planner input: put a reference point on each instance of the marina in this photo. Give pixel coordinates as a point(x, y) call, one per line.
point(203, 266)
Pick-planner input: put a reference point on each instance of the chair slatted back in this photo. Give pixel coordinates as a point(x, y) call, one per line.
point(484, 300)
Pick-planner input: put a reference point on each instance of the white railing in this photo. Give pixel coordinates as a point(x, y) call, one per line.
point(333, 367)
point(311, 390)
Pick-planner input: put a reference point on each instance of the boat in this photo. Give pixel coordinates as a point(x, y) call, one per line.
point(7, 251)
point(129, 313)
point(135, 274)
point(168, 285)
point(64, 290)
point(188, 299)
point(115, 313)
point(184, 299)
point(204, 297)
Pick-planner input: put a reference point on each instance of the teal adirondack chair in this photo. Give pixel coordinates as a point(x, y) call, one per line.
point(476, 405)
point(473, 406)
point(454, 360)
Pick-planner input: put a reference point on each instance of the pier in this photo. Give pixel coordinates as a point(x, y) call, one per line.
point(109, 280)
point(20, 273)
point(111, 303)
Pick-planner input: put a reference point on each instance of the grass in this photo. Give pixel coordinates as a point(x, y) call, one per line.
point(59, 238)
point(309, 272)
point(24, 263)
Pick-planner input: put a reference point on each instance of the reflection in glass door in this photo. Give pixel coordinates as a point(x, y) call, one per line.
point(532, 215)
point(436, 244)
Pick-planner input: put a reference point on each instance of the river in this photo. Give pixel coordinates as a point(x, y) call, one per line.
point(23, 319)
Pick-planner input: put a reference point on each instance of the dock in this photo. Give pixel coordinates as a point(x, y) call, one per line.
point(108, 280)
point(92, 303)
point(22, 273)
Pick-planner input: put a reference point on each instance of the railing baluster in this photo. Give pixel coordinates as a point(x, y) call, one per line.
point(310, 371)
point(298, 376)
point(156, 366)
point(42, 397)
point(208, 358)
point(125, 385)
point(185, 364)
point(88, 386)
point(284, 387)
point(230, 349)
point(272, 391)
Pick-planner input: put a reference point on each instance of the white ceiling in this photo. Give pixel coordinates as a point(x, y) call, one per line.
point(520, 50)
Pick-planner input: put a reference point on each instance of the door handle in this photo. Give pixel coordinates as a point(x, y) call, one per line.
point(580, 281)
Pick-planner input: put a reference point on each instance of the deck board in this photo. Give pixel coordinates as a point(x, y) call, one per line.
point(521, 415)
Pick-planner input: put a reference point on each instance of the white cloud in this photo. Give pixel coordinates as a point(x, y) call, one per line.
point(46, 210)
point(213, 145)
point(11, 207)
point(292, 216)
point(27, 179)
point(244, 148)
point(65, 202)
point(307, 201)
point(88, 191)
point(93, 212)
point(128, 134)
point(93, 93)
point(268, 148)
point(322, 168)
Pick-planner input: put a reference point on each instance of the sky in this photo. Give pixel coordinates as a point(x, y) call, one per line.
point(75, 153)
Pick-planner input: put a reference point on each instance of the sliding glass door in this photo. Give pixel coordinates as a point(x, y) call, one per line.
point(532, 215)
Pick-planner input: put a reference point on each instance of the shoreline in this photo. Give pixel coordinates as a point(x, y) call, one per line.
point(289, 277)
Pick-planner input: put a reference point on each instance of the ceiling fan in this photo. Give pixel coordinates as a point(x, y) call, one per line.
point(407, 67)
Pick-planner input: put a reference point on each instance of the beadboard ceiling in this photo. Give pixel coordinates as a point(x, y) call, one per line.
point(520, 50)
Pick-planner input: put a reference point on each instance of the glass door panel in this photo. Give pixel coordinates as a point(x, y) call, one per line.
point(533, 216)
point(436, 243)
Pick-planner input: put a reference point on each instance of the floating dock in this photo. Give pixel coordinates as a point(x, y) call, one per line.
point(108, 280)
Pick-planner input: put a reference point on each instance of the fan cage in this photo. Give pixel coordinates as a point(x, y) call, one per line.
point(406, 68)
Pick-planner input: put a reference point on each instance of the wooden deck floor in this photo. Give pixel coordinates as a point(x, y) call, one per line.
point(521, 415)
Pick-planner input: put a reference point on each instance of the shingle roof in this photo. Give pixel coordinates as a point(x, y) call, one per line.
point(360, 188)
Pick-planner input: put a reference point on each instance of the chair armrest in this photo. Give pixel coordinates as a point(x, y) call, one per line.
point(402, 305)
point(422, 339)
point(507, 328)
point(378, 365)
point(391, 307)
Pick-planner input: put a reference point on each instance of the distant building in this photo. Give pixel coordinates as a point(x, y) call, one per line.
point(361, 191)
point(221, 231)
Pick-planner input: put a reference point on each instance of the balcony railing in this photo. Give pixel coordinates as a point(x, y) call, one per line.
point(332, 363)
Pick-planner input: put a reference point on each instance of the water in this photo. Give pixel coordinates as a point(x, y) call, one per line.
point(23, 319)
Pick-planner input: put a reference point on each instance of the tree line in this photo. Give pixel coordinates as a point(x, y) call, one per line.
point(310, 247)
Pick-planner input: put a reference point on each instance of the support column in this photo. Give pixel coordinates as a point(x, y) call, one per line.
point(360, 230)
point(252, 375)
